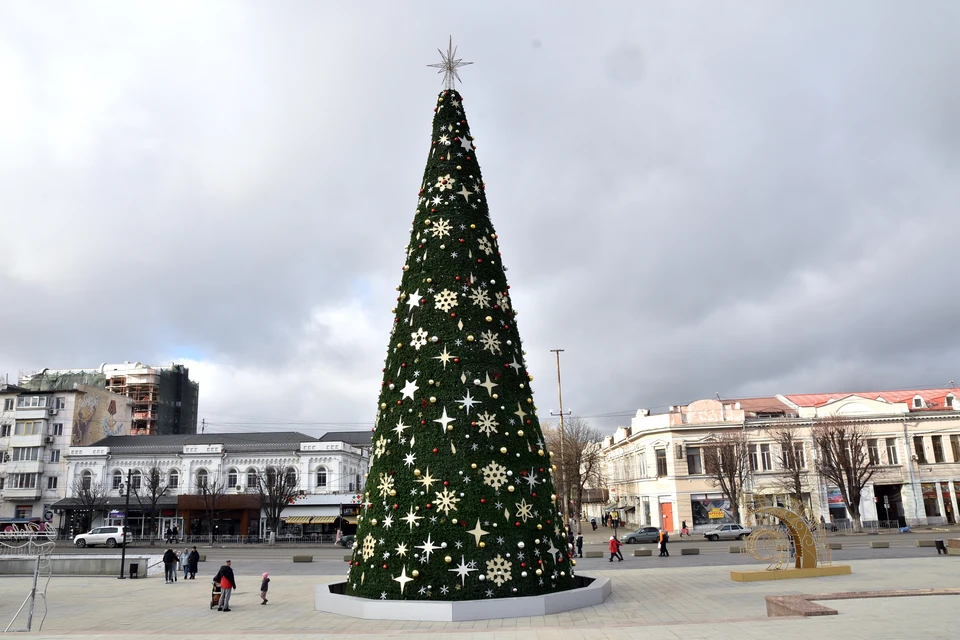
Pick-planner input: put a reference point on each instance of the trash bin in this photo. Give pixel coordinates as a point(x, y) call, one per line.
point(134, 570)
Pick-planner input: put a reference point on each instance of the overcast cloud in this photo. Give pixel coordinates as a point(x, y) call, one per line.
point(746, 198)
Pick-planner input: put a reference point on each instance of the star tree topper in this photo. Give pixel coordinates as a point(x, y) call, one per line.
point(449, 66)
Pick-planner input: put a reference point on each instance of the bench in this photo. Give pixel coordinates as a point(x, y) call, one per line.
point(737, 549)
point(876, 544)
point(303, 558)
point(642, 552)
point(347, 558)
point(926, 543)
point(690, 551)
point(834, 546)
point(593, 554)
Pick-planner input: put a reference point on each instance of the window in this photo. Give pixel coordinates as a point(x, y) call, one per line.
point(136, 481)
point(765, 457)
point(52, 482)
point(202, 479)
point(24, 511)
point(955, 446)
point(55, 455)
point(31, 402)
point(28, 428)
point(937, 448)
point(22, 454)
point(661, 463)
point(798, 455)
point(642, 463)
point(86, 480)
point(251, 478)
point(60, 403)
point(948, 402)
point(321, 478)
point(2, 479)
point(694, 462)
point(917, 402)
point(291, 479)
point(232, 478)
point(918, 449)
point(173, 480)
point(56, 429)
point(892, 457)
point(23, 481)
point(873, 451)
point(8, 404)
point(116, 481)
point(4, 430)
point(754, 459)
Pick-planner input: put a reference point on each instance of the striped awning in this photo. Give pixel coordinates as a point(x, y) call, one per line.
point(350, 520)
point(323, 519)
point(298, 519)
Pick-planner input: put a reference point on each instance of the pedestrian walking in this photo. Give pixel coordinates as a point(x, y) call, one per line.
point(170, 565)
point(339, 537)
point(166, 535)
point(185, 561)
point(593, 523)
point(175, 533)
point(193, 560)
point(683, 529)
point(615, 549)
point(227, 584)
point(664, 539)
point(570, 540)
point(264, 585)
point(580, 545)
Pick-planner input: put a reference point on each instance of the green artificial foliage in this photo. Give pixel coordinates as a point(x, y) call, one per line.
point(459, 500)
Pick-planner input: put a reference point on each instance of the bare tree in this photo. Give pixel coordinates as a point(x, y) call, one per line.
point(91, 496)
point(153, 487)
point(844, 459)
point(212, 491)
point(276, 491)
point(581, 463)
point(726, 461)
point(791, 461)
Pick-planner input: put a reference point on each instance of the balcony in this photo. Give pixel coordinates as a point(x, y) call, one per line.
point(34, 440)
point(24, 466)
point(17, 495)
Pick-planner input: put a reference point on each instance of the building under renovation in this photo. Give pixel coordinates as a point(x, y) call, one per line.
point(164, 398)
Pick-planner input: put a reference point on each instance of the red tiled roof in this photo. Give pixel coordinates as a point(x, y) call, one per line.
point(930, 396)
point(761, 405)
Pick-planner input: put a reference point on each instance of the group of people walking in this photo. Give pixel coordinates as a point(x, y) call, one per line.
point(188, 559)
point(615, 545)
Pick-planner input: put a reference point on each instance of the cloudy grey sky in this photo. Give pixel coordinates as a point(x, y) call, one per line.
point(738, 197)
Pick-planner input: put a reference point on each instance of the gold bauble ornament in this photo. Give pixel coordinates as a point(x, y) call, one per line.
point(416, 472)
point(447, 559)
point(415, 574)
point(482, 544)
point(503, 449)
point(520, 433)
point(510, 488)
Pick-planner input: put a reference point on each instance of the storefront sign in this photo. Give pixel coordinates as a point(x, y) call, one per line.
point(716, 514)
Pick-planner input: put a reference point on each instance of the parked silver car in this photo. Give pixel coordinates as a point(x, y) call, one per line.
point(110, 536)
point(643, 534)
point(727, 532)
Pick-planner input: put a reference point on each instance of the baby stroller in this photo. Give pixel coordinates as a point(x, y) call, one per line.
point(215, 595)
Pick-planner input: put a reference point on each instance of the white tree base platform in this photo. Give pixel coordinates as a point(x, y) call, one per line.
point(329, 597)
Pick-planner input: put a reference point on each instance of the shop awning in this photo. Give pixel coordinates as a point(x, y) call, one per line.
point(323, 519)
point(298, 520)
point(350, 520)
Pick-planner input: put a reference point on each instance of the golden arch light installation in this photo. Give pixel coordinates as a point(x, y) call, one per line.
point(774, 545)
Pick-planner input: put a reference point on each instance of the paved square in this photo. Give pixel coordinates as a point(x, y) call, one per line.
point(655, 602)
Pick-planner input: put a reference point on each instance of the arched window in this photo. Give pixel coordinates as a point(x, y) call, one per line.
point(321, 478)
point(291, 477)
point(174, 479)
point(202, 479)
point(116, 480)
point(232, 478)
point(136, 481)
point(271, 476)
point(252, 478)
point(86, 479)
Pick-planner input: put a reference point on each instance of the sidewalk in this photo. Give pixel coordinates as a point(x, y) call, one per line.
point(687, 603)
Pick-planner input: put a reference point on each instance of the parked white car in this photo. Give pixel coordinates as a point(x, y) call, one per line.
point(727, 532)
point(110, 536)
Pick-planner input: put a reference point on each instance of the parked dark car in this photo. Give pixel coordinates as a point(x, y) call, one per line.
point(643, 534)
point(346, 541)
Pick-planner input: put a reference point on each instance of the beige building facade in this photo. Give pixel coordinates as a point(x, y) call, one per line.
point(654, 468)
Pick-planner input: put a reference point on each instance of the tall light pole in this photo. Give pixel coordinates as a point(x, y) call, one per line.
point(563, 466)
point(123, 527)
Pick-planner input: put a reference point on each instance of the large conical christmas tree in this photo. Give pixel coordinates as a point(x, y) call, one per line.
point(459, 503)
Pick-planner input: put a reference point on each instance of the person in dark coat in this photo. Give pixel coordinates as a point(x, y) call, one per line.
point(663, 540)
point(227, 584)
point(264, 585)
point(580, 546)
point(170, 565)
point(193, 560)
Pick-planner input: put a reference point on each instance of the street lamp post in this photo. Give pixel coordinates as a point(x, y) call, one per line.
point(123, 527)
point(563, 466)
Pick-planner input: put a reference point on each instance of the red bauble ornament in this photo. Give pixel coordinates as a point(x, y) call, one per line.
point(396, 506)
point(446, 484)
point(435, 450)
point(516, 524)
point(384, 566)
point(429, 506)
point(483, 501)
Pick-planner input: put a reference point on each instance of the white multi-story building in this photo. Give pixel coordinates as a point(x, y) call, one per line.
point(36, 428)
point(655, 468)
point(329, 472)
